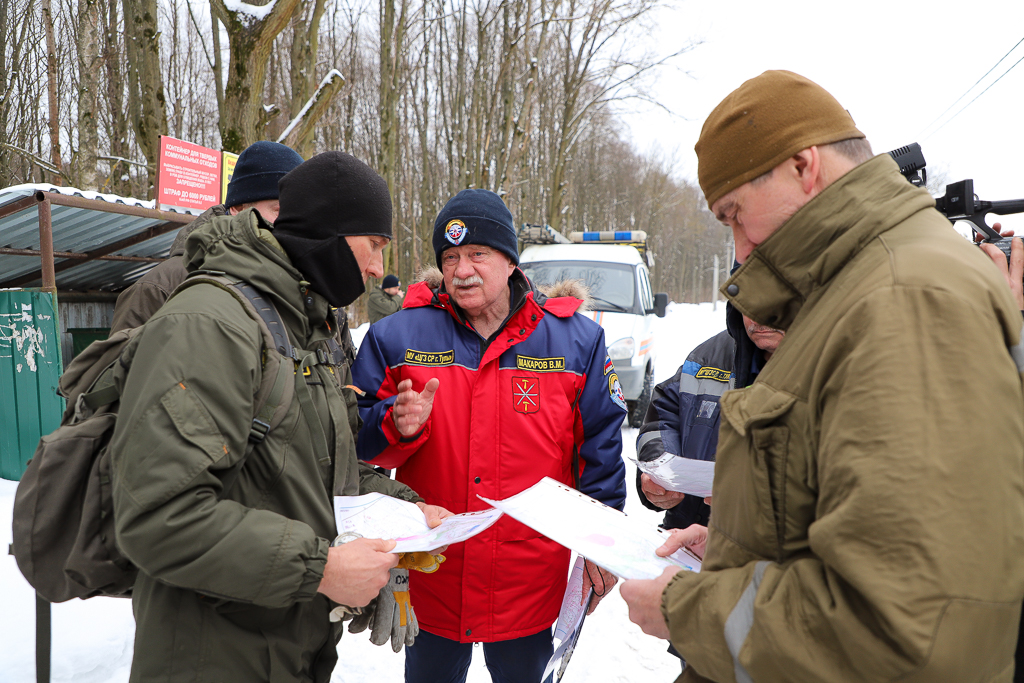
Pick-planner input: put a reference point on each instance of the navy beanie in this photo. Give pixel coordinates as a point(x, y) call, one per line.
point(389, 281)
point(257, 170)
point(476, 217)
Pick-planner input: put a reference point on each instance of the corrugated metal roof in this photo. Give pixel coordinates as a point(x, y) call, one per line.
point(80, 230)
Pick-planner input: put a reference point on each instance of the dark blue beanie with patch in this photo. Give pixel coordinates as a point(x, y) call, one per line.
point(257, 170)
point(476, 217)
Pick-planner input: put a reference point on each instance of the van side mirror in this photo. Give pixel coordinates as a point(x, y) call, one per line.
point(660, 304)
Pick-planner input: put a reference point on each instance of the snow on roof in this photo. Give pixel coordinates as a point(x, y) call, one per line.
point(82, 230)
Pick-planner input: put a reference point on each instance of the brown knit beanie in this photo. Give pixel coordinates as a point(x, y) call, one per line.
point(761, 124)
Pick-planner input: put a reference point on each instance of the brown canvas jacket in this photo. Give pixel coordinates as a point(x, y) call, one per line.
point(868, 516)
point(138, 303)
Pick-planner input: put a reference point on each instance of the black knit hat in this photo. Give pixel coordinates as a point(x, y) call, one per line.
point(476, 217)
point(257, 170)
point(389, 281)
point(323, 200)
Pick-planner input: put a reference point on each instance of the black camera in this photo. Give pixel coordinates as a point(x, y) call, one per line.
point(959, 203)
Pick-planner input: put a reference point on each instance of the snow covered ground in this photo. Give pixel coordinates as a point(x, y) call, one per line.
point(92, 639)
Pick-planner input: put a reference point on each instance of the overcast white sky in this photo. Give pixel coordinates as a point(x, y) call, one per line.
point(895, 65)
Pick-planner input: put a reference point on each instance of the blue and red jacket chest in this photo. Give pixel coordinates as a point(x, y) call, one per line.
point(527, 406)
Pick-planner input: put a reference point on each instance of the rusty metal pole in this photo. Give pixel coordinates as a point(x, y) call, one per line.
point(46, 244)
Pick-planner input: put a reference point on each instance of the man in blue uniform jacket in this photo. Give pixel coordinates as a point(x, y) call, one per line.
point(683, 416)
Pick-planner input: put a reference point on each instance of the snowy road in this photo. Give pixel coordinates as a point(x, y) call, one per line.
point(92, 639)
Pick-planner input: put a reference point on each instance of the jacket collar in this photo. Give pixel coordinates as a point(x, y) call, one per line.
point(809, 249)
point(244, 246)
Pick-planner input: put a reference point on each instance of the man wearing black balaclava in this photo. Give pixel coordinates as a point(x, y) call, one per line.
point(334, 223)
point(227, 512)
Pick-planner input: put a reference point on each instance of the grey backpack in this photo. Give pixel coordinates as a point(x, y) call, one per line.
point(63, 510)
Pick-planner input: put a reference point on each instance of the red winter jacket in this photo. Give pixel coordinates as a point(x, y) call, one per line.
point(504, 416)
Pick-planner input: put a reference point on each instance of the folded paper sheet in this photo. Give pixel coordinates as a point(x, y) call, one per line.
point(622, 545)
point(378, 516)
point(676, 473)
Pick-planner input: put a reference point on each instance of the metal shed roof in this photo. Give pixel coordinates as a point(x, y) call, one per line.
point(99, 229)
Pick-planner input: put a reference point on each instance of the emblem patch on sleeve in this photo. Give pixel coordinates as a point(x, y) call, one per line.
point(433, 358)
point(540, 364)
point(615, 391)
point(455, 231)
point(525, 394)
point(608, 365)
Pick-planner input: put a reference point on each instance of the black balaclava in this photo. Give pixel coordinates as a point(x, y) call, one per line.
point(323, 200)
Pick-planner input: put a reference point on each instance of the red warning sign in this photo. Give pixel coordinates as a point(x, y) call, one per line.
point(188, 175)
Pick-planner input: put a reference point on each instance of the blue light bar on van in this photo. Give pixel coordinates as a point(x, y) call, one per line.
point(609, 236)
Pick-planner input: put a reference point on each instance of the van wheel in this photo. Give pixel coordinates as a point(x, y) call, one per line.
point(638, 408)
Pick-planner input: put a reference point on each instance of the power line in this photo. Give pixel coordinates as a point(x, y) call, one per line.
point(966, 92)
point(975, 98)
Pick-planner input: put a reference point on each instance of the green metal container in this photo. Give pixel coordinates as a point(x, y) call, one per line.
point(30, 368)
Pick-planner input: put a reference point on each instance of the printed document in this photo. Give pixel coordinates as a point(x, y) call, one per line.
point(378, 516)
point(570, 621)
point(622, 545)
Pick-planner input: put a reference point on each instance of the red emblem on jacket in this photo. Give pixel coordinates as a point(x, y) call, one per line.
point(525, 394)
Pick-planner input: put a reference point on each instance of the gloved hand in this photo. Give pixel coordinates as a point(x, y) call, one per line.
point(392, 617)
point(421, 561)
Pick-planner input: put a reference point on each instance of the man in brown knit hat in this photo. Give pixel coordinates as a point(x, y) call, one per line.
point(866, 526)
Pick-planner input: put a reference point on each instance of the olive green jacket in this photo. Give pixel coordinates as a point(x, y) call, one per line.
point(868, 517)
point(380, 304)
point(227, 589)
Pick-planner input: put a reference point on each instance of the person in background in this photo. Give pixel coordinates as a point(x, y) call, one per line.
point(483, 385)
point(867, 523)
point(385, 300)
point(253, 184)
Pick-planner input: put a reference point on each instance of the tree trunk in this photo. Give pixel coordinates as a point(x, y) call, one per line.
point(303, 71)
point(89, 62)
point(145, 83)
point(53, 123)
point(251, 38)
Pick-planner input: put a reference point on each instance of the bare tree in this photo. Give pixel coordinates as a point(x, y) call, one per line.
point(251, 34)
point(146, 104)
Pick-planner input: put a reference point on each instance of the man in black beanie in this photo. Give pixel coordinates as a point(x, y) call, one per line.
point(253, 184)
point(385, 300)
point(335, 209)
point(524, 390)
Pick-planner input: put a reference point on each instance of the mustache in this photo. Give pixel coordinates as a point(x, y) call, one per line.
point(754, 328)
point(472, 280)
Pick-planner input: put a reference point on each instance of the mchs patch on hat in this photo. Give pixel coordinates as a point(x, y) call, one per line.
point(455, 231)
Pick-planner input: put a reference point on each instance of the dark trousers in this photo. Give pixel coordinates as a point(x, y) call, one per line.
point(433, 659)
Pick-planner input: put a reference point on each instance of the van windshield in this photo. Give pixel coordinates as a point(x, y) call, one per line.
point(611, 284)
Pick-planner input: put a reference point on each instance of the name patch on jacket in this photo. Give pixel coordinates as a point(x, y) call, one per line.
point(414, 357)
point(540, 364)
point(713, 373)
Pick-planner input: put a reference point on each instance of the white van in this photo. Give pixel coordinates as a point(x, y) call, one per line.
point(611, 265)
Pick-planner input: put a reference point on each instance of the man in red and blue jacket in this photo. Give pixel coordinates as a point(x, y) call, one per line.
point(483, 385)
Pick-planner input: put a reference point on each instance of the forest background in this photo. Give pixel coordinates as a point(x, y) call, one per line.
point(521, 97)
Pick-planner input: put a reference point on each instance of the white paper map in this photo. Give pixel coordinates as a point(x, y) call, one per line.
point(684, 475)
point(570, 616)
point(378, 516)
point(607, 537)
